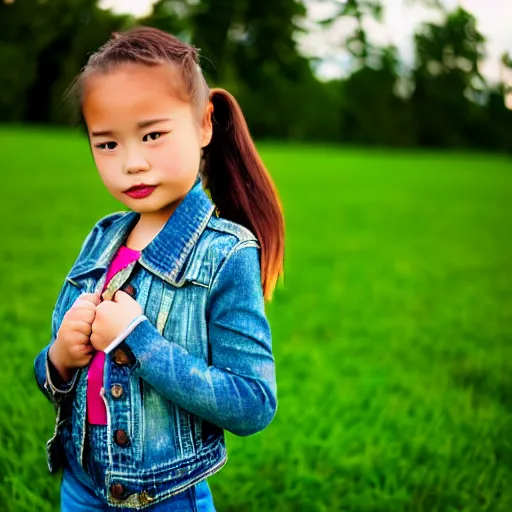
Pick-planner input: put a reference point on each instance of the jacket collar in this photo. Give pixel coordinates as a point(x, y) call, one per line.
point(167, 253)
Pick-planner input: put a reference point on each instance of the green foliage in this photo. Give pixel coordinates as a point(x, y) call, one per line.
point(392, 333)
point(249, 48)
point(171, 16)
point(357, 43)
point(449, 97)
point(43, 45)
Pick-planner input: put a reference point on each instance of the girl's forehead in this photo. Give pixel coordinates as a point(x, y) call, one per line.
point(131, 90)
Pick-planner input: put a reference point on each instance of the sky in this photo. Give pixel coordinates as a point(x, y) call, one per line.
point(401, 19)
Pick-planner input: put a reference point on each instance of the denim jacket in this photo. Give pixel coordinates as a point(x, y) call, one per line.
point(199, 363)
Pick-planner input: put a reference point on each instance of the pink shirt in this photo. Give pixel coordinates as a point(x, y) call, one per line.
point(96, 410)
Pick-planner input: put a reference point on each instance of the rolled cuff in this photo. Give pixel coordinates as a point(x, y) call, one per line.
point(54, 383)
point(131, 326)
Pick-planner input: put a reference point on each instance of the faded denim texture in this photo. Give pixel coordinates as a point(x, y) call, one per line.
point(79, 489)
point(200, 362)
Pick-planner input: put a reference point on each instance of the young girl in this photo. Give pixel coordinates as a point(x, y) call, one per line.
point(159, 334)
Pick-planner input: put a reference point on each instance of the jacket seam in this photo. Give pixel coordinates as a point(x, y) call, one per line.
point(237, 247)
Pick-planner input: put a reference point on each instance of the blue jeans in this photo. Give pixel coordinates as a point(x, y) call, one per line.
point(78, 488)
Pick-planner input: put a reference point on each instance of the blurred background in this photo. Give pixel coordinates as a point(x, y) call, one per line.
point(387, 127)
point(400, 73)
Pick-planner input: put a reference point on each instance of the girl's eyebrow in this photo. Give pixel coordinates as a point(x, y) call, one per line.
point(141, 124)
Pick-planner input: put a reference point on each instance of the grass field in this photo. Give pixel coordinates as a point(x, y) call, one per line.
point(392, 331)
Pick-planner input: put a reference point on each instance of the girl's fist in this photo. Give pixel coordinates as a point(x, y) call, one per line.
point(112, 318)
point(72, 348)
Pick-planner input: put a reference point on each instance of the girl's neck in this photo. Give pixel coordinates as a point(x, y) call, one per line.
point(148, 226)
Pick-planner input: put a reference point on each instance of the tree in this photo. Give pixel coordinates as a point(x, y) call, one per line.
point(448, 83)
point(42, 46)
point(171, 16)
point(357, 43)
point(372, 111)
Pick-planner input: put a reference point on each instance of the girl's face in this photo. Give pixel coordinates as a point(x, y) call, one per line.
point(142, 133)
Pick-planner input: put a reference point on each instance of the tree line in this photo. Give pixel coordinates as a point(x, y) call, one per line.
point(250, 48)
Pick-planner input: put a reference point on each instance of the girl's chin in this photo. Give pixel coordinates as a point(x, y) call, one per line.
point(142, 205)
point(150, 204)
point(164, 210)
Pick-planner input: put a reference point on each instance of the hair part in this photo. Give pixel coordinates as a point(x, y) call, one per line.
point(239, 183)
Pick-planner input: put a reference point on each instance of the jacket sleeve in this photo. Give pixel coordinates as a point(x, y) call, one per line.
point(238, 391)
point(48, 378)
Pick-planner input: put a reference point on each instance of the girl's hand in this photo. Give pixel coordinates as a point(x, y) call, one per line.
point(112, 318)
point(71, 348)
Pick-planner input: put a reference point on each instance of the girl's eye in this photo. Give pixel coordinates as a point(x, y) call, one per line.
point(107, 145)
point(110, 146)
point(152, 136)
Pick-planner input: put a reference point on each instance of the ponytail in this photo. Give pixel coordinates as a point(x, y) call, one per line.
point(241, 187)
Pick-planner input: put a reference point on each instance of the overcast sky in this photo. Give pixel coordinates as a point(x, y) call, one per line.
point(400, 22)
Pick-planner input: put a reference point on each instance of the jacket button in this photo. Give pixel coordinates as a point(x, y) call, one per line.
point(116, 390)
point(121, 437)
point(120, 357)
point(130, 290)
point(117, 491)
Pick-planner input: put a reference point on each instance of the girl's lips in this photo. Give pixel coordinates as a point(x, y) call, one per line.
point(140, 192)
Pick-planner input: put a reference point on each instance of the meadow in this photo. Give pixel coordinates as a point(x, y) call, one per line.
point(392, 328)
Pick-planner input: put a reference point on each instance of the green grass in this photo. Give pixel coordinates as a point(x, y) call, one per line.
point(392, 331)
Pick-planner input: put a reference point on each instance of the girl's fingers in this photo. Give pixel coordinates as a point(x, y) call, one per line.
point(81, 312)
point(82, 327)
point(90, 297)
point(87, 300)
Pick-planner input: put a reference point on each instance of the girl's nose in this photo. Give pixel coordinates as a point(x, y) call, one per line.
point(135, 164)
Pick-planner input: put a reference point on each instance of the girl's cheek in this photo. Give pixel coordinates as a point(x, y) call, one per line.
point(169, 156)
point(102, 164)
point(169, 164)
point(108, 174)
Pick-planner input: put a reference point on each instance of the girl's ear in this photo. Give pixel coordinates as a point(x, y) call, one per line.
point(207, 125)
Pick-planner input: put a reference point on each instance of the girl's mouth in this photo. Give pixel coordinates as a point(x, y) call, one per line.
point(140, 191)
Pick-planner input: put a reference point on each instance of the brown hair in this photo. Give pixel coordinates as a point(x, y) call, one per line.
point(238, 182)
